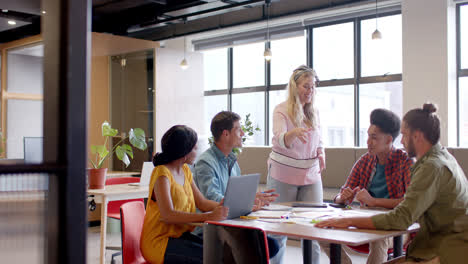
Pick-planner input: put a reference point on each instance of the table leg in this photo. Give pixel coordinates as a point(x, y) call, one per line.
point(103, 230)
point(397, 246)
point(307, 251)
point(335, 253)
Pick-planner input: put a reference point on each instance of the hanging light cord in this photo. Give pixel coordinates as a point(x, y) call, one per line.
point(376, 14)
point(268, 20)
point(185, 45)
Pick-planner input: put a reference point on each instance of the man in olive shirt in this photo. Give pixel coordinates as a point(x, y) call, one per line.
point(437, 197)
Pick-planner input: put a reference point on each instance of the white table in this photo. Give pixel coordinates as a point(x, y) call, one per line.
point(114, 193)
point(336, 237)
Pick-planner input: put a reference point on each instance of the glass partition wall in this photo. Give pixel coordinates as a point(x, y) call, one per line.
point(22, 118)
point(132, 102)
point(23, 98)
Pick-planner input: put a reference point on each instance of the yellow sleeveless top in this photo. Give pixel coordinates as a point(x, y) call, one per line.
point(156, 233)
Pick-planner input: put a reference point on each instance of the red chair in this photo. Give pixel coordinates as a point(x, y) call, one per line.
point(113, 208)
point(132, 215)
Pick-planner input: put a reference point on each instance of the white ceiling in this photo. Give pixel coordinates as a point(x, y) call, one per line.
point(23, 6)
point(5, 26)
point(35, 50)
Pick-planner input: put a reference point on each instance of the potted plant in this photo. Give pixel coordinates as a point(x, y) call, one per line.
point(249, 130)
point(124, 152)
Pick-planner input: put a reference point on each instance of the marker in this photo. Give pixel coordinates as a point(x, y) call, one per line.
point(248, 217)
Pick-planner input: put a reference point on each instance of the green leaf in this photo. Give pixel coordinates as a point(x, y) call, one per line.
point(137, 138)
point(107, 131)
point(121, 154)
point(101, 150)
point(128, 149)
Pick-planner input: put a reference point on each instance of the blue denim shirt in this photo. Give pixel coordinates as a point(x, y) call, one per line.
point(212, 171)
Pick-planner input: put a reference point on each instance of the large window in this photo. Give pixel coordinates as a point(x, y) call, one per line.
point(462, 61)
point(357, 74)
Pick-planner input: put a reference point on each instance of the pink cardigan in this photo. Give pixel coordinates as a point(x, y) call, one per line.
point(296, 165)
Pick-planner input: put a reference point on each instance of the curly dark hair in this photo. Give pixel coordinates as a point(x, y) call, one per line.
point(387, 121)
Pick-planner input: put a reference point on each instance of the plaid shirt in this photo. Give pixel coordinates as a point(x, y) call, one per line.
point(397, 173)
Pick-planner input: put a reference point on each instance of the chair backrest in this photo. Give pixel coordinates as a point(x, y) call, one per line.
point(225, 243)
point(113, 208)
point(132, 215)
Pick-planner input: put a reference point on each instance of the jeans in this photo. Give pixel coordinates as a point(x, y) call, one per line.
point(291, 193)
point(187, 249)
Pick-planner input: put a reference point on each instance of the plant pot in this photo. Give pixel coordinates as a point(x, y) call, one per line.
point(97, 178)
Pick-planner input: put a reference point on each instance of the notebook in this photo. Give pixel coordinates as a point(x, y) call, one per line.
point(240, 194)
point(145, 177)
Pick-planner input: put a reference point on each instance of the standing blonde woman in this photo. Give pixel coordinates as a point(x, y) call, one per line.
point(297, 156)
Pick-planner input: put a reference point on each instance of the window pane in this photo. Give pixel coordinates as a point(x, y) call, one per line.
point(336, 109)
point(249, 65)
point(288, 54)
point(384, 55)
point(24, 119)
point(276, 98)
point(333, 56)
point(463, 112)
point(213, 105)
point(25, 69)
point(378, 95)
point(215, 69)
point(464, 36)
point(253, 104)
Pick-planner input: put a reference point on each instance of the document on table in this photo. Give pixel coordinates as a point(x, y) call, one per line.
point(277, 207)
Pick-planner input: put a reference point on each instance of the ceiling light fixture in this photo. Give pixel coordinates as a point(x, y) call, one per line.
point(183, 64)
point(11, 22)
point(376, 35)
point(267, 53)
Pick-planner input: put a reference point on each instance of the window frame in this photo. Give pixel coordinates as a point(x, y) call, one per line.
point(356, 81)
point(461, 72)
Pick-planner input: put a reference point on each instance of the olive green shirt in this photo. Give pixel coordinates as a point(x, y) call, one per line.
point(437, 199)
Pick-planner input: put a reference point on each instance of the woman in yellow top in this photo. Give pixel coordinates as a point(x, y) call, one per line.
point(172, 200)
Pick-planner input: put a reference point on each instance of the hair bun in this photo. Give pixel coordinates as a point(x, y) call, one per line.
point(429, 108)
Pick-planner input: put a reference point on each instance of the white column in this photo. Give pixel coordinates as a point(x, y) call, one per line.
point(429, 60)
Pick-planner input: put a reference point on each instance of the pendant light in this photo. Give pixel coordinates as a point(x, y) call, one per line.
point(183, 64)
point(376, 35)
point(267, 53)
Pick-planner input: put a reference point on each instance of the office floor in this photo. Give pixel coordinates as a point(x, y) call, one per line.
point(293, 250)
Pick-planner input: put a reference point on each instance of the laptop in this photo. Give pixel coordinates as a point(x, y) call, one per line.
point(145, 174)
point(240, 194)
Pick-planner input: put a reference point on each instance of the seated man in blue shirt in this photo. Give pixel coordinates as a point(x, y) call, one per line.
point(214, 167)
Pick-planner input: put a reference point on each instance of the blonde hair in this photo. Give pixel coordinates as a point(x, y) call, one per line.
point(296, 112)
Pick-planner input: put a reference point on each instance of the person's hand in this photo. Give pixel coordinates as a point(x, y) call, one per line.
point(301, 133)
point(219, 213)
point(267, 197)
point(322, 163)
point(334, 222)
point(365, 198)
point(347, 195)
point(264, 198)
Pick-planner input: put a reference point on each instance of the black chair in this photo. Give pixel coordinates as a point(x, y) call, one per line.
point(229, 244)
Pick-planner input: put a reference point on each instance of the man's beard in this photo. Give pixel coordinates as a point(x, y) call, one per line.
point(410, 149)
